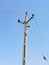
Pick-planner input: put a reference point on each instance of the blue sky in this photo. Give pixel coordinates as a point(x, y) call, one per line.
point(12, 33)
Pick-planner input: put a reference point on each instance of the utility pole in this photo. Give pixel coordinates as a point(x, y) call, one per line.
point(25, 37)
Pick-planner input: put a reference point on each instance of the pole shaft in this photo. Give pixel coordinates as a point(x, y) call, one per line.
point(25, 37)
point(25, 42)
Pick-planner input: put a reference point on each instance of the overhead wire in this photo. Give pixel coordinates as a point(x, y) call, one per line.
point(35, 48)
point(45, 59)
point(30, 34)
point(33, 45)
point(39, 50)
point(37, 41)
point(7, 11)
point(12, 11)
point(41, 36)
point(43, 43)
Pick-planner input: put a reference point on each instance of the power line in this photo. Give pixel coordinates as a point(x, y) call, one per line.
point(37, 42)
point(37, 51)
point(41, 38)
point(7, 11)
point(35, 48)
point(44, 49)
point(45, 59)
point(41, 41)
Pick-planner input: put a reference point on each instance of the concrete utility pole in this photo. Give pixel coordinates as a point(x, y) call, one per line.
point(25, 37)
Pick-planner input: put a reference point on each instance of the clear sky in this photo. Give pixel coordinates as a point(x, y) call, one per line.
point(12, 33)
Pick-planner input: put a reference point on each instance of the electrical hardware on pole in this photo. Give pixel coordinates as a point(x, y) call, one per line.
point(25, 36)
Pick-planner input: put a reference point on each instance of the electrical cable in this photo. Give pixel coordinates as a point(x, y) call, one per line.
point(35, 48)
point(37, 42)
point(41, 38)
point(41, 41)
point(41, 53)
point(7, 11)
point(37, 51)
point(45, 59)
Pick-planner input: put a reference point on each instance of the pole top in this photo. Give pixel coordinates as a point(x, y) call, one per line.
point(26, 13)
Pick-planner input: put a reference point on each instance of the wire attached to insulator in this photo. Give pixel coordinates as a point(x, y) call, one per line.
point(45, 59)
